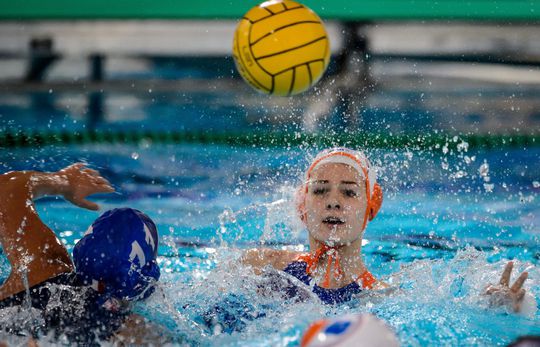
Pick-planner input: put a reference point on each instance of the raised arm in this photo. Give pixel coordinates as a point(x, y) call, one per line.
point(33, 250)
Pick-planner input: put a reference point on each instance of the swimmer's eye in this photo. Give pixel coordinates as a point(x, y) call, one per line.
point(319, 191)
point(350, 193)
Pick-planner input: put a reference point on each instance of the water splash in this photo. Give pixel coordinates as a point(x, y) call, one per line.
point(437, 300)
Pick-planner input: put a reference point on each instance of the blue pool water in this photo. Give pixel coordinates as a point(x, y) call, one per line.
point(449, 222)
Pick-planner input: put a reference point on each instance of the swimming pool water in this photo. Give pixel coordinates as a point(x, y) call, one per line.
point(449, 222)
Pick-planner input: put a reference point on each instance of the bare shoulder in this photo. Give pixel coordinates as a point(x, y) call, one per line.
point(261, 257)
point(378, 285)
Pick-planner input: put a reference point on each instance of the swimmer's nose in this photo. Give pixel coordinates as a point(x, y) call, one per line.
point(333, 202)
point(332, 206)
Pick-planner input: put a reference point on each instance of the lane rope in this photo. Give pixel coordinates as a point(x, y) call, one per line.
point(268, 139)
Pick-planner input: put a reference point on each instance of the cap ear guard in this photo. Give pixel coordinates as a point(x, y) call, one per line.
point(376, 198)
point(376, 201)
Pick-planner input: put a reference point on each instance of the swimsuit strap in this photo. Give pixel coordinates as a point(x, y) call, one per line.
point(312, 260)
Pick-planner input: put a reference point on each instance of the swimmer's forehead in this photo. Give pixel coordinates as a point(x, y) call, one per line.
point(336, 172)
point(327, 182)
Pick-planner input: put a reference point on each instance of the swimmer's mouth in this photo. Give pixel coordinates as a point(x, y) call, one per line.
point(333, 221)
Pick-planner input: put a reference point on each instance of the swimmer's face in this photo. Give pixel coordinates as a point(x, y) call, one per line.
point(335, 204)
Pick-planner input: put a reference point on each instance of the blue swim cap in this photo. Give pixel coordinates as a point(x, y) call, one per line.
point(117, 255)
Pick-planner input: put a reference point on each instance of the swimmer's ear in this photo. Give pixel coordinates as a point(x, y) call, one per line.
point(376, 201)
point(300, 202)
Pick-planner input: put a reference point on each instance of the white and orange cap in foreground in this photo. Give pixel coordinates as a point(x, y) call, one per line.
point(354, 330)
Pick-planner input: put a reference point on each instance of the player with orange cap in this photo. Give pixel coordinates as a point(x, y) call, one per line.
point(336, 200)
point(338, 197)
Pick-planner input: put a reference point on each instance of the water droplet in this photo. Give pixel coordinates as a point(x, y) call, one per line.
point(483, 170)
point(463, 146)
point(459, 174)
point(445, 148)
point(444, 165)
point(489, 187)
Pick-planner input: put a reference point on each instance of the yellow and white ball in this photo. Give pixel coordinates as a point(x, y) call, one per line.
point(281, 47)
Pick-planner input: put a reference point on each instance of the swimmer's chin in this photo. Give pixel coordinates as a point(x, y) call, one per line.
point(343, 226)
point(331, 240)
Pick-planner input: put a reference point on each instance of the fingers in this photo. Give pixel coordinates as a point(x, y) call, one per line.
point(517, 306)
point(101, 180)
point(519, 300)
point(89, 205)
point(91, 172)
point(79, 199)
point(94, 175)
point(505, 278)
point(97, 179)
point(104, 188)
point(77, 166)
point(103, 185)
point(73, 167)
point(94, 189)
point(82, 167)
point(490, 290)
point(520, 295)
point(519, 282)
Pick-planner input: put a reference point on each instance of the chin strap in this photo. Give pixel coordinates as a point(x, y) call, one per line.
point(312, 261)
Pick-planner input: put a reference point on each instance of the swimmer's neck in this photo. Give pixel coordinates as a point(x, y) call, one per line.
point(350, 258)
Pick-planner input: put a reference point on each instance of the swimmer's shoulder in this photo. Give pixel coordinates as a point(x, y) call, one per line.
point(368, 281)
point(380, 285)
point(258, 258)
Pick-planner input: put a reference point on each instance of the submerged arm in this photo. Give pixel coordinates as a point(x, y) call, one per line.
point(33, 250)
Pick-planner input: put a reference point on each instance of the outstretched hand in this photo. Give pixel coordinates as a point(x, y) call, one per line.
point(504, 295)
point(83, 182)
